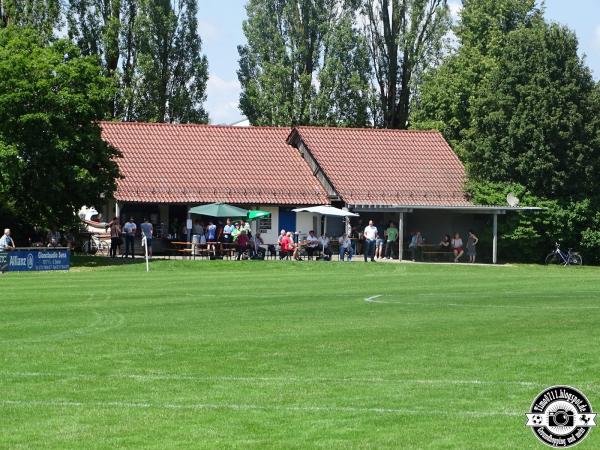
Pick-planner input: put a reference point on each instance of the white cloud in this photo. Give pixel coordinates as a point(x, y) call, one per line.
point(222, 100)
point(208, 31)
point(455, 9)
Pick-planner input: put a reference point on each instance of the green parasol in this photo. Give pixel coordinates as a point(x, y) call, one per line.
point(257, 214)
point(219, 210)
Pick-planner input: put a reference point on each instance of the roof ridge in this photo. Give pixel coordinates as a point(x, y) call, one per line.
point(395, 130)
point(190, 125)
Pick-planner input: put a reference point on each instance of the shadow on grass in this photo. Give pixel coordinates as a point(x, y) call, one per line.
point(103, 261)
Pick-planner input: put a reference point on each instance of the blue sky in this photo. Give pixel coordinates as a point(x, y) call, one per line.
point(221, 31)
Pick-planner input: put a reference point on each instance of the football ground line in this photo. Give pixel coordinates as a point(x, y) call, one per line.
point(245, 407)
point(375, 299)
point(267, 380)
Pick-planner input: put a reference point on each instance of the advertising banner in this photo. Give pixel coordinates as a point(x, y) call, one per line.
point(34, 259)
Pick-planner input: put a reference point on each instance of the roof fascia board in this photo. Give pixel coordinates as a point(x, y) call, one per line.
point(295, 140)
point(475, 209)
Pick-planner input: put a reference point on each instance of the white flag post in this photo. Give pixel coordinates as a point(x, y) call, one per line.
point(145, 245)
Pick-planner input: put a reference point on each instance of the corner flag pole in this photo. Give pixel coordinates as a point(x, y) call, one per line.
point(145, 245)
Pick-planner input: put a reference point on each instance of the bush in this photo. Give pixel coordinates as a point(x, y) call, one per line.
point(529, 236)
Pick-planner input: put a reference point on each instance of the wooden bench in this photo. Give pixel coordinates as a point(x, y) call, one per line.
point(445, 255)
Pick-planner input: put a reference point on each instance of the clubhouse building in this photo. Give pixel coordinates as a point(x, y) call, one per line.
point(410, 177)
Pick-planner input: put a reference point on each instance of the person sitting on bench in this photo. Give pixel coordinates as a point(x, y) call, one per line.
point(287, 246)
point(256, 251)
point(312, 244)
point(324, 242)
point(345, 247)
point(446, 243)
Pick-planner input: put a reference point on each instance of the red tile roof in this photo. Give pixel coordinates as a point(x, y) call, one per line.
point(203, 163)
point(386, 167)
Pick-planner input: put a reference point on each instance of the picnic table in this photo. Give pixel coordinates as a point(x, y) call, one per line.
point(433, 251)
point(207, 249)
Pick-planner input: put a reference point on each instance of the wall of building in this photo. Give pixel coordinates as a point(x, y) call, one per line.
point(435, 224)
point(270, 236)
point(305, 222)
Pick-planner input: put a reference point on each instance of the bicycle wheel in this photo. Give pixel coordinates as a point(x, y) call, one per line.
point(88, 248)
point(103, 248)
point(552, 258)
point(576, 259)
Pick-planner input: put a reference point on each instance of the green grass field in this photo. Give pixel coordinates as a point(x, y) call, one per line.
point(286, 355)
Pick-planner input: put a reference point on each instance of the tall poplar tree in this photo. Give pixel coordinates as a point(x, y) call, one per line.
point(41, 15)
point(153, 51)
point(305, 62)
point(405, 39)
point(172, 72)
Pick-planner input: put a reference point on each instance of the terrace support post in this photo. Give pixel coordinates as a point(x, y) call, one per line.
point(117, 210)
point(400, 235)
point(495, 239)
point(189, 229)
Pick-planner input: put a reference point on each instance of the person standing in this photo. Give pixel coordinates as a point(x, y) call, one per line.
point(197, 228)
point(115, 237)
point(380, 244)
point(245, 226)
point(235, 232)
point(416, 241)
point(391, 245)
point(227, 230)
point(129, 229)
point(147, 231)
point(6, 242)
point(370, 235)
point(472, 241)
point(211, 232)
point(6, 245)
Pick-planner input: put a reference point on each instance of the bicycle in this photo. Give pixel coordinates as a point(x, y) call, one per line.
point(557, 256)
point(96, 246)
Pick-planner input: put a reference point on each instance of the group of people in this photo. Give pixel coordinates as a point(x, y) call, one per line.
point(238, 235)
point(448, 244)
point(128, 231)
point(375, 244)
point(289, 247)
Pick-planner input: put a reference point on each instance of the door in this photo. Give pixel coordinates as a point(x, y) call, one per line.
point(287, 219)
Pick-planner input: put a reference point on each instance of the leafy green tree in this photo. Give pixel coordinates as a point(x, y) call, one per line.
point(41, 15)
point(515, 101)
point(52, 157)
point(445, 96)
point(304, 63)
point(405, 37)
point(529, 117)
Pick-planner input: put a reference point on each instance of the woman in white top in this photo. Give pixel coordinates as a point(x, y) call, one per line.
point(457, 245)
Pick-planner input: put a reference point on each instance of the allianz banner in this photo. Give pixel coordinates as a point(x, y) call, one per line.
point(33, 259)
